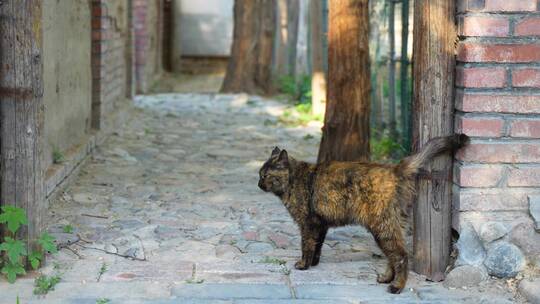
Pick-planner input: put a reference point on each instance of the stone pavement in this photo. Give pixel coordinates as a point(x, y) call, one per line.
point(168, 211)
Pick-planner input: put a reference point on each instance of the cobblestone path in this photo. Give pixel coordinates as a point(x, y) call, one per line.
point(168, 211)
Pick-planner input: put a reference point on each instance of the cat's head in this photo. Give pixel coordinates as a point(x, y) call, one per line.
point(274, 174)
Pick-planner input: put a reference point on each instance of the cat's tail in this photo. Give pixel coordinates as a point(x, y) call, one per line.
point(410, 165)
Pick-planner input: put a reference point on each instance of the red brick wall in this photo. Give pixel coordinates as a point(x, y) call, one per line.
point(498, 105)
point(148, 24)
point(109, 58)
point(140, 8)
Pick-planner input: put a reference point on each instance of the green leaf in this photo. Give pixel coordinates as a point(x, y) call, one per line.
point(35, 259)
point(47, 243)
point(14, 249)
point(14, 217)
point(11, 270)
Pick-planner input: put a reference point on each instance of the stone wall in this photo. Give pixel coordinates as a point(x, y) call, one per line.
point(68, 81)
point(498, 104)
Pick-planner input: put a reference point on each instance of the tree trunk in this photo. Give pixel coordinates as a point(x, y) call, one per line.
point(249, 67)
point(434, 67)
point(392, 68)
point(346, 123)
point(404, 77)
point(21, 112)
point(318, 75)
point(286, 36)
point(293, 16)
point(302, 66)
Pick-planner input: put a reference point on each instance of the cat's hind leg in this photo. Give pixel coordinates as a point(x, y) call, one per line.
point(389, 273)
point(390, 239)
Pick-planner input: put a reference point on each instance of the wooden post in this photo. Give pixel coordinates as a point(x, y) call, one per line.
point(346, 121)
point(21, 111)
point(434, 63)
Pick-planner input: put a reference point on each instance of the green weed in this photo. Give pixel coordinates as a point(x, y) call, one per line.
point(43, 284)
point(58, 156)
point(15, 252)
point(386, 149)
point(271, 260)
point(67, 229)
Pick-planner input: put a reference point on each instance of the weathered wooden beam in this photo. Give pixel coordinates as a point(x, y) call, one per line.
point(21, 111)
point(434, 63)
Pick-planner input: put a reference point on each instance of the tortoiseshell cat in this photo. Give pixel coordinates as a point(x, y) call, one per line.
point(336, 193)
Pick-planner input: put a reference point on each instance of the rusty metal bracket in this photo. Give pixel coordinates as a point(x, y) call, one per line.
point(16, 92)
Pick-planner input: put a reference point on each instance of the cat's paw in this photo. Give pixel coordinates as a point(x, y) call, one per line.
point(385, 278)
point(394, 289)
point(301, 265)
point(315, 261)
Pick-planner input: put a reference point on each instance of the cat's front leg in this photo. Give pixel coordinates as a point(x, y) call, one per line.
point(323, 229)
point(309, 246)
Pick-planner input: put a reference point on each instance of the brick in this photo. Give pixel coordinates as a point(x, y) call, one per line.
point(524, 176)
point(484, 26)
point(528, 27)
point(470, 5)
point(479, 126)
point(502, 53)
point(510, 5)
point(479, 176)
point(525, 128)
point(99, 9)
point(481, 77)
point(492, 200)
point(498, 103)
point(502, 152)
point(529, 78)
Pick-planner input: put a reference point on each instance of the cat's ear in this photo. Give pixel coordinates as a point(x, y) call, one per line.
point(283, 158)
point(275, 151)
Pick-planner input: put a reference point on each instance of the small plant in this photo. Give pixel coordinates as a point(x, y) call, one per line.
point(43, 284)
point(275, 261)
point(14, 251)
point(102, 270)
point(285, 270)
point(58, 156)
point(308, 137)
point(103, 301)
point(67, 229)
point(386, 149)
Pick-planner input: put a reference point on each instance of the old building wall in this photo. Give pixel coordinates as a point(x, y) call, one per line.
point(498, 105)
point(111, 59)
point(67, 74)
point(148, 23)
